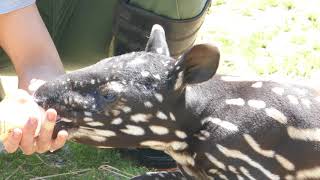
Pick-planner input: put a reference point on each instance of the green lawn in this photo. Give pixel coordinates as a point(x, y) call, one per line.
point(256, 38)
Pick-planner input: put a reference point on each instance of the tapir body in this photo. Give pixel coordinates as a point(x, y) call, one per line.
point(214, 126)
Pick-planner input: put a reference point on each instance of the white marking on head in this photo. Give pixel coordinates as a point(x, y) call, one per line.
point(312, 173)
point(238, 102)
point(159, 130)
point(159, 97)
point(172, 117)
point(311, 134)
point(157, 76)
point(159, 50)
point(162, 115)
point(257, 104)
point(278, 90)
point(213, 171)
point(116, 121)
point(180, 134)
point(257, 85)
point(140, 117)
point(148, 104)
point(145, 73)
point(276, 115)
point(255, 146)
point(104, 133)
point(116, 86)
point(133, 130)
point(179, 81)
point(285, 163)
point(115, 112)
point(66, 120)
point(231, 153)
point(126, 109)
point(87, 119)
point(293, 99)
point(224, 124)
point(93, 81)
point(95, 124)
point(306, 102)
point(136, 61)
point(215, 161)
point(87, 113)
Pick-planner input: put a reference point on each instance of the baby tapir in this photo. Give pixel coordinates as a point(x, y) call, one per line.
point(214, 126)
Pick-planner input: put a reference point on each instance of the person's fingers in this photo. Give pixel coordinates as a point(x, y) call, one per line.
point(27, 144)
point(59, 141)
point(44, 138)
point(11, 144)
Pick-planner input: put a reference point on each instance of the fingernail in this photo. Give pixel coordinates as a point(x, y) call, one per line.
point(16, 133)
point(50, 116)
point(32, 121)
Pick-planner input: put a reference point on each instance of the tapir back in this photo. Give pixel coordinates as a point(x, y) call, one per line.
point(256, 129)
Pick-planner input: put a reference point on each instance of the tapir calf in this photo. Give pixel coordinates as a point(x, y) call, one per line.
point(213, 126)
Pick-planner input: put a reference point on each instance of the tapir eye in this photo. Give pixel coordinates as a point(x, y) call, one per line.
point(110, 96)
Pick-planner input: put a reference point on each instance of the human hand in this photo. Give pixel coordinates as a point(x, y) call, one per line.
point(32, 127)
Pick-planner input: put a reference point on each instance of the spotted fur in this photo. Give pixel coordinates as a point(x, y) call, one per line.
point(215, 127)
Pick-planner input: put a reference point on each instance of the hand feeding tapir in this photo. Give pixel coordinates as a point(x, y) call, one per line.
point(214, 128)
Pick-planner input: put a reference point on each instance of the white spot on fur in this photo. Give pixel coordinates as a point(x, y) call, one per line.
point(304, 134)
point(317, 98)
point(239, 155)
point(133, 130)
point(157, 76)
point(215, 161)
point(159, 130)
point(238, 102)
point(97, 138)
point(161, 115)
point(115, 112)
point(285, 162)
point(257, 104)
point(180, 134)
point(224, 124)
point(93, 81)
point(66, 101)
point(278, 90)
point(145, 73)
point(140, 117)
point(66, 120)
point(104, 133)
point(276, 115)
point(300, 91)
point(158, 145)
point(293, 100)
point(148, 104)
point(95, 124)
point(87, 113)
point(312, 173)
point(233, 169)
point(116, 121)
point(246, 173)
point(172, 117)
point(159, 97)
point(178, 146)
point(306, 102)
point(87, 119)
point(159, 50)
point(126, 109)
point(257, 85)
point(255, 146)
point(179, 81)
point(213, 171)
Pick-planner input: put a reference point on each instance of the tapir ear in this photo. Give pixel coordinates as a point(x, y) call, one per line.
point(157, 42)
point(199, 64)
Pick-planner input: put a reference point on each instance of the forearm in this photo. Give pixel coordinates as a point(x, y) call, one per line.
point(26, 40)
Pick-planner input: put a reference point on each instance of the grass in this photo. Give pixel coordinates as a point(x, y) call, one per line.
point(256, 38)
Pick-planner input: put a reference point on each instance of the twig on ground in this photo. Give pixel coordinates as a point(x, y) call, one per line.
point(115, 171)
point(15, 171)
point(62, 174)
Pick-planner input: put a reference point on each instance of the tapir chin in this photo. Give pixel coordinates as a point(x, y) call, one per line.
point(214, 127)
